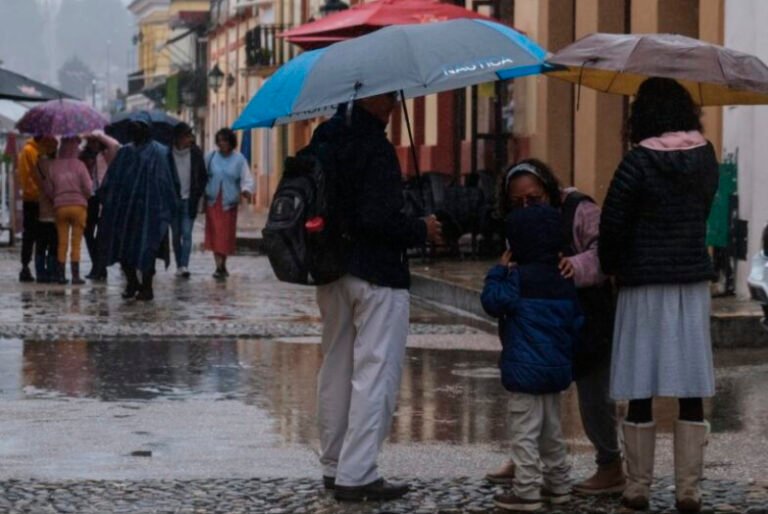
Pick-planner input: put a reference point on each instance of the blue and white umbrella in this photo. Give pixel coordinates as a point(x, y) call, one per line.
point(417, 60)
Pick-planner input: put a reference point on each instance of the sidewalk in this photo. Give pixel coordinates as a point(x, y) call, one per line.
point(249, 225)
point(457, 284)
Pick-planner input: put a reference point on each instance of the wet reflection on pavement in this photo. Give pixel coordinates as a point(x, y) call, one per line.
point(449, 396)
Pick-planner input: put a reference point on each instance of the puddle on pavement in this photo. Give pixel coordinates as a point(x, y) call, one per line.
point(449, 396)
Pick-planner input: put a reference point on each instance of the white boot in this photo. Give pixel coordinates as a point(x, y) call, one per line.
point(639, 449)
point(690, 439)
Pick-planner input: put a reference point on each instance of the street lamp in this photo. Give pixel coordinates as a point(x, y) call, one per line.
point(215, 78)
point(332, 6)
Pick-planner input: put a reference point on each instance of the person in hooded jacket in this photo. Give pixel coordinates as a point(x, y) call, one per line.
point(653, 241)
point(539, 323)
point(69, 186)
point(532, 182)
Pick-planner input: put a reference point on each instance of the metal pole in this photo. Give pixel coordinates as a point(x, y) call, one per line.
point(413, 149)
point(93, 93)
point(410, 137)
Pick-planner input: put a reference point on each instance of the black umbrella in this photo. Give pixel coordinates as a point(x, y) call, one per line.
point(162, 125)
point(23, 89)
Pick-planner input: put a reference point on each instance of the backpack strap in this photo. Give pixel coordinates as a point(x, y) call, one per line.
point(570, 205)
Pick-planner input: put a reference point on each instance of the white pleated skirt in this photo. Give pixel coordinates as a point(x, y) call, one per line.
point(661, 342)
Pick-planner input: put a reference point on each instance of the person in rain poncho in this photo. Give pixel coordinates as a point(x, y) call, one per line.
point(139, 196)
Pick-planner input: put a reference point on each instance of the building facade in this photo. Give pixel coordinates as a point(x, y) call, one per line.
point(743, 131)
point(152, 65)
point(482, 128)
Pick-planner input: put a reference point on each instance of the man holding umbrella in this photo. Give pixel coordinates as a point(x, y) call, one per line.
point(365, 313)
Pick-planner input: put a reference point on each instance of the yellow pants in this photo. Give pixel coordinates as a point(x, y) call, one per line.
point(73, 216)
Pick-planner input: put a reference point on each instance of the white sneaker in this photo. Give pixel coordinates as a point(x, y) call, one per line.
point(180, 272)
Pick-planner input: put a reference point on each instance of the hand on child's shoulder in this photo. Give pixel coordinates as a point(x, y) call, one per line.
point(506, 259)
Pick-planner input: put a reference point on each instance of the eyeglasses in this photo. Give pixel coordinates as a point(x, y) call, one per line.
point(517, 202)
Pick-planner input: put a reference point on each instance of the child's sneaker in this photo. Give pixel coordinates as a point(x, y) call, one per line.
point(554, 498)
point(512, 502)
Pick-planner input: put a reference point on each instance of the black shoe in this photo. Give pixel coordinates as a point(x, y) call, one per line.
point(99, 277)
point(145, 295)
point(329, 483)
point(62, 274)
point(129, 293)
point(25, 275)
point(380, 490)
point(75, 268)
point(131, 288)
point(132, 284)
point(219, 274)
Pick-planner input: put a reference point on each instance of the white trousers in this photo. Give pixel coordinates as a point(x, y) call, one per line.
point(365, 328)
point(538, 448)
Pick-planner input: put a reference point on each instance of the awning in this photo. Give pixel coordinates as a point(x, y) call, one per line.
point(14, 86)
point(370, 16)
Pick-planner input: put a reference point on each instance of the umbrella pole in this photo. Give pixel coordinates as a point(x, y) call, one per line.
point(410, 136)
point(413, 146)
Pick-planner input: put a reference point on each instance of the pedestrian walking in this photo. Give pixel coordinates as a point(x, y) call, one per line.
point(532, 182)
point(365, 313)
point(47, 241)
point(229, 180)
point(189, 167)
point(652, 239)
point(99, 152)
point(69, 186)
point(139, 196)
point(539, 323)
point(27, 165)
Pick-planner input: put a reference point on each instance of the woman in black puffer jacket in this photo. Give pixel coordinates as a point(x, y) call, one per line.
point(652, 240)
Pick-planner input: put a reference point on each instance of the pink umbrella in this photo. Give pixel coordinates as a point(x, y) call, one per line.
point(61, 117)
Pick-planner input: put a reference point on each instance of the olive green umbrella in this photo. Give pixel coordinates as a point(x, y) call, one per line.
point(619, 63)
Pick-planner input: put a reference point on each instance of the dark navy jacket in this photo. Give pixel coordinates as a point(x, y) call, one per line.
point(538, 312)
point(381, 232)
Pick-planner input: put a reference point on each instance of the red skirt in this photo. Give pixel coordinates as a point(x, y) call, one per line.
point(220, 228)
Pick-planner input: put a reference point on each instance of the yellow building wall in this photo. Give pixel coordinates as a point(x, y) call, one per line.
point(155, 31)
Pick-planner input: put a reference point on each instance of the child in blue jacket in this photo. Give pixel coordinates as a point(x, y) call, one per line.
point(539, 322)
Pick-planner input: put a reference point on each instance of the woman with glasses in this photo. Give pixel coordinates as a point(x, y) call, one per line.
point(532, 182)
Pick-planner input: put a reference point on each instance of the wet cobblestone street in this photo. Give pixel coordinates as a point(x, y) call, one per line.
point(203, 402)
point(292, 496)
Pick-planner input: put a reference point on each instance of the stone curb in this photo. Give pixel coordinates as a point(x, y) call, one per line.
point(133, 331)
point(728, 330)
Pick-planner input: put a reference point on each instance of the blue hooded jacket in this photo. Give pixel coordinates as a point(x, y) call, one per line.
point(538, 312)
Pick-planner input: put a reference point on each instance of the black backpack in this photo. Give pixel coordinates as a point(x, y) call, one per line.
point(306, 235)
point(598, 303)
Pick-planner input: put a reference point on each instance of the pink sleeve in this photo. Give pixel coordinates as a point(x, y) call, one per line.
point(113, 146)
point(586, 230)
